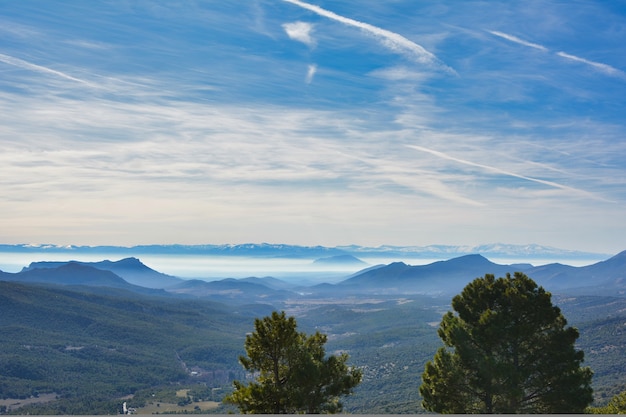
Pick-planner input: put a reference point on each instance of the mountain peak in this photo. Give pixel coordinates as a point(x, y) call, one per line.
point(339, 260)
point(448, 276)
point(72, 273)
point(473, 259)
point(130, 262)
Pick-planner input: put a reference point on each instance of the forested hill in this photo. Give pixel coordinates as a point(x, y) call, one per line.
point(94, 348)
point(91, 349)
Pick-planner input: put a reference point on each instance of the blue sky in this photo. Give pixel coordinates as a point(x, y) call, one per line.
point(327, 122)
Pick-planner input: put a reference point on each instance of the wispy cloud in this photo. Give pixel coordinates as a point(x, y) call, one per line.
point(605, 68)
point(518, 40)
point(300, 31)
point(39, 68)
point(398, 73)
point(391, 40)
point(213, 132)
point(311, 73)
point(503, 172)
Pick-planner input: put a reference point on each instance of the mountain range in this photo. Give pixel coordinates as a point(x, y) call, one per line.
point(268, 250)
point(442, 277)
point(131, 269)
point(605, 277)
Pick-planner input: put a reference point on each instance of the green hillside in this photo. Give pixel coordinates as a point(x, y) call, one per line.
point(93, 348)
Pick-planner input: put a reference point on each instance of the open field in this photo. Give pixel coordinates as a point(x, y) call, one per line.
point(161, 408)
point(15, 403)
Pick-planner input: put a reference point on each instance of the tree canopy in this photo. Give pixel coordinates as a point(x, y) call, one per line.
point(507, 350)
point(294, 375)
point(617, 405)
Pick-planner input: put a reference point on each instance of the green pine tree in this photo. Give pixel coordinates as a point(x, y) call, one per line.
point(294, 374)
point(507, 350)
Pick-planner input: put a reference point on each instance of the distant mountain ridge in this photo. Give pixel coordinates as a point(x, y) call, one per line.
point(437, 277)
point(76, 274)
point(268, 250)
point(447, 277)
point(71, 273)
point(339, 260)
point(131, 269)
point(231, 289)
point(602, 278)
point(605, 277)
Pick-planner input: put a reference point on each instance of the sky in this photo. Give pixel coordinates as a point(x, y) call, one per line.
point(328, 122)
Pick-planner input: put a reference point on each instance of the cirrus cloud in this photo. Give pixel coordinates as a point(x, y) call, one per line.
point(604, 68)
point(389, 39)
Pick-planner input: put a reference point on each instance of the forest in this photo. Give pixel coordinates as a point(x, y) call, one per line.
point(94, 348)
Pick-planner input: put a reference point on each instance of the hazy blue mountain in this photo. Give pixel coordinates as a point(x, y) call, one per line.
point(270, 282)
point(612, 268)
point(602, 278)
point(229, 290)
point(77, 274)
point(69, 273)
point(438, 277)
point(605, 277)
point(369, 268)
point(493, 250)
point(441, 277)
point(339, 260)
point(131, 269)
point(267, 250)
point(553, 275)
point(135, 272)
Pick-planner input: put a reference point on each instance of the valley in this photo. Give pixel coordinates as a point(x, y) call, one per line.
point(92, 337)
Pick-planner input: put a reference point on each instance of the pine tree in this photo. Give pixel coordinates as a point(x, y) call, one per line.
point(507, 350)
point(294, 374)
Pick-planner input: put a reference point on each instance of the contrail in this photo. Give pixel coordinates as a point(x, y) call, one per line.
point(7, 59)
point(517, 40)
point(392, 40)
point(607, 69)
point(501, 171)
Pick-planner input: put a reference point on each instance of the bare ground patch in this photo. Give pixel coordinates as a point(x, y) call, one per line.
point(15, 403)
point(158, 407)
